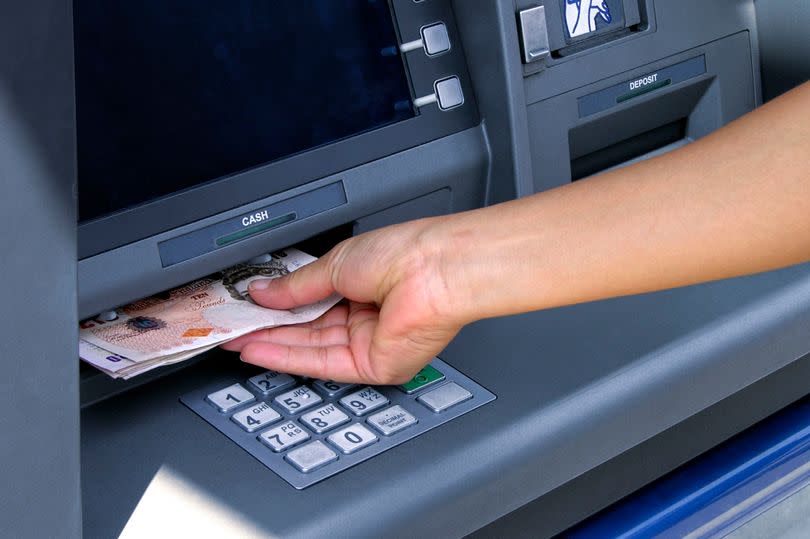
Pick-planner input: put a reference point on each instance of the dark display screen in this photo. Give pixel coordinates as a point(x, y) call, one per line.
point(175, 93)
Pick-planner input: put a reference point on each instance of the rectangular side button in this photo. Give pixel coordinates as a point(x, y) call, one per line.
point(392, 420)
point(256, 417)
point(311, 456)
point(229, 398)
point(429, 375)
point(444, 397)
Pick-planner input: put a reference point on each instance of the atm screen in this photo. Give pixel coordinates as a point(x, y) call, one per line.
point(172, 94)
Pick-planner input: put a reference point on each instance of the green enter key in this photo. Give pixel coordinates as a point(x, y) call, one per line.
point(427, 376)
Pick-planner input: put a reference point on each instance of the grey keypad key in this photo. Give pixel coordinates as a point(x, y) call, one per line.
point(229, 398)
point(364, 401)
point(270, 381)
point(284, 436)
point(297, 400)
point(331, 389)
point(444, 397)
point(255, 417)
point(352, 438)
point(311, 457)
point(392, 420)
point(325, 418)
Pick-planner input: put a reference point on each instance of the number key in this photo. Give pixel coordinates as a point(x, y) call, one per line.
point(331, 389)
point(284, 436)
point(352, 438)
point(271, 381)
point(325, 418)
point(255, 417)
point(364, 401)
point(297, 400)
point(229, 398)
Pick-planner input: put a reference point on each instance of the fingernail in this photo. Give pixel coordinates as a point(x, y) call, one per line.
point(260, 284)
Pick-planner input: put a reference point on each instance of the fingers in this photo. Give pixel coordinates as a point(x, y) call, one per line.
point(306, 285)
point(293, 336)
point(324, 363)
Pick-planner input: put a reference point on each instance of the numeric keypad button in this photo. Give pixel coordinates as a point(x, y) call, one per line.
point(352, 438)
point(392, 420)
point(311, 457)
point(257, 416)
point(284, 436)
point(364, 401)
point(229, 398)
point(297, 400)
point(270, 381)
point(331, 389)
point(325, 418)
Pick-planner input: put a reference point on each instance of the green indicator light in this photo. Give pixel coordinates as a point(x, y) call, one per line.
point(250, 231)
point(643, 90)
point(427, 376)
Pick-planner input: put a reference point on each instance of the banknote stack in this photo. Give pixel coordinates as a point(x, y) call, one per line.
point(184, 322)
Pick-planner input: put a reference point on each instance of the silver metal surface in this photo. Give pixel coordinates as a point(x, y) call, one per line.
point(284, 436)
point(270, 381)
point(297, 400)
point(352, 438)
point(327, 388)
point(449, 93)
point(270, 445)
point(256, 417)
point(392, 420)
point(311, 457)
point(364, 401)
point(230, 398)
point(443, 397)
point(435, 38)
point(534, 34)
point(325, 418)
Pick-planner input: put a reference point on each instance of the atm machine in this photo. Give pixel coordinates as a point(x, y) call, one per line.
point(135, 137)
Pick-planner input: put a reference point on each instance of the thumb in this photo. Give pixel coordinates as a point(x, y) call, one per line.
point(305, 285)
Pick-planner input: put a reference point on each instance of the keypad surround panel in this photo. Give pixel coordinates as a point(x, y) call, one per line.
point(426, 419)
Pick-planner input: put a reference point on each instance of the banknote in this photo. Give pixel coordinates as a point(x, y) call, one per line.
point(183, 322)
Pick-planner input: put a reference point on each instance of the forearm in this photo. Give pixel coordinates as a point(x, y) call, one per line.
point(733, 203)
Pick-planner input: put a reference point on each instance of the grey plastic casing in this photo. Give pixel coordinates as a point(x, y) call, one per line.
point(593, 401)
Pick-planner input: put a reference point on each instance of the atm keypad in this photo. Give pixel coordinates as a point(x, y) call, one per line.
point(307, 430)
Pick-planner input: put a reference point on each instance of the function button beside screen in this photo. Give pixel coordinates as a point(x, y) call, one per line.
point(284, 436)
point(325, 418)
point(257, 416)
point(392, 420)
point(297, 400)
point(270, 381)
point(352, 438)
point(229, 398)
point(428, 376)
point(435, 39)
point(444, 397)
point(364, 401)
point(311, 457)
point(331, 389)
point(449, 93)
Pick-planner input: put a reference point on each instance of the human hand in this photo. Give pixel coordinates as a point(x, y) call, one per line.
point(397, 317)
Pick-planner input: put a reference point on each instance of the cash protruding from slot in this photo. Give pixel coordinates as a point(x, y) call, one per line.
point(186, 321)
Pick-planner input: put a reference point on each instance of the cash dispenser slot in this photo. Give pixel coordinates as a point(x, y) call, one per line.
point(258, 220)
